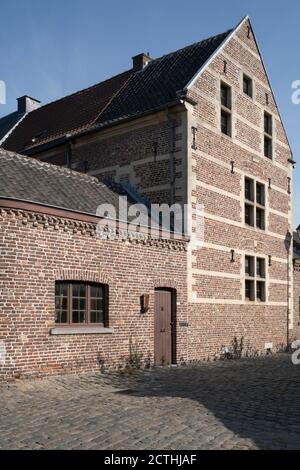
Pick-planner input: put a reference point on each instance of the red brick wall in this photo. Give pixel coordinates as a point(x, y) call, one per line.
point(33, 256)
point(296, 332)
point(218, 310)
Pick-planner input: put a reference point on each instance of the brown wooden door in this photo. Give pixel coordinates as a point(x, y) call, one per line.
point(163, 328)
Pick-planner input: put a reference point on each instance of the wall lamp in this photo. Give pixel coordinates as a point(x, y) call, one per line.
point(144, 301)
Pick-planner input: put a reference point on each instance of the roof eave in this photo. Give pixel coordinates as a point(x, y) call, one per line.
point(69, 136)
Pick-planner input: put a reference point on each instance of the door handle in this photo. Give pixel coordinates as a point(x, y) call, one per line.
point(163, 330)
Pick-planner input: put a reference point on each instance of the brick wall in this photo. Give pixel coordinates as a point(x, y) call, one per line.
point(137, 153)
point(218, 310)
point(296, 332)
point(36, 251)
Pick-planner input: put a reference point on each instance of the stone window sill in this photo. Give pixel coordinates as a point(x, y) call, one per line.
point(81, 330)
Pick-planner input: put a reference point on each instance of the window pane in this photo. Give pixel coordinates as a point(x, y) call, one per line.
point(61, 303)
point(249, 265)
point(268, 123)
point(247, 86)
point(96, 304)
point(225, 123)
point(249, 215)
point(78, 290)
point(249, 290)
point(260, 194)
point(96, 291)
point(97, 317)
point(61, 289)
point(260, 267)
point(268, 147)
point(249, 189)
point(226, 96)
point(260, 291)
point(260, 218)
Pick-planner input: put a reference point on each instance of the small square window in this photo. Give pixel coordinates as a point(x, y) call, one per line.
point(225, 96)
point(226, 122)
point(247, 86)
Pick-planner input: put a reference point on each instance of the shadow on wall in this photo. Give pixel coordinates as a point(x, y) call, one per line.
point(257, 399)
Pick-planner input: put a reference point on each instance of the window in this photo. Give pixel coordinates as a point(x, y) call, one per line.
point(225, 109)
point(268, 133)
point(225, 122)
point(225, 96)
point(255, 279)
point(254, 203)
point(79, 303)
point(247, 86)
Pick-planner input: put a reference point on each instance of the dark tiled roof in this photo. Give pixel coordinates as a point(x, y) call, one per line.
point(26, 179)
point(8, 122)
point(158, 84)
point(128, 94)
point(77, 111)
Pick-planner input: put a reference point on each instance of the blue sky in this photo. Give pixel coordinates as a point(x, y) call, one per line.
point(51, 48)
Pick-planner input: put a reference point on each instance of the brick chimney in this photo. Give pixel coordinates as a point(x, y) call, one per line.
point(140, 61)
point(27, 104)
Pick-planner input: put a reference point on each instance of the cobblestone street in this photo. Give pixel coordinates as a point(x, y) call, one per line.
point(246, 404)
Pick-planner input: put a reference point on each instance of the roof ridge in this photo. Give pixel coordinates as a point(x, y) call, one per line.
point(49, 166)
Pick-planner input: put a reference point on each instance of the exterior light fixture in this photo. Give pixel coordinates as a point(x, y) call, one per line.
point(232, 256)
point(144, 300)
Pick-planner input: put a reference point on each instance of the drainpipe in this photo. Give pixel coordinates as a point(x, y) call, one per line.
point(288, 245)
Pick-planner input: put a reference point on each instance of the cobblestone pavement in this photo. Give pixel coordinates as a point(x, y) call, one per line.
point(246, 404)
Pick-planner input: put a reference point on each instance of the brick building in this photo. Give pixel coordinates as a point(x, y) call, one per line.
point(199, 126)
point(296, 260)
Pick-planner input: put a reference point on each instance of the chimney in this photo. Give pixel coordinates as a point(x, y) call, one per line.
point(140, 61)
point(27, 104)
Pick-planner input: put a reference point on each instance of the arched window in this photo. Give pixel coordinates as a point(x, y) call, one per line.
point(81, 303)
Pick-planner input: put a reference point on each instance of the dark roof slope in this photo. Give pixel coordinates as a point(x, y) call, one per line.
point(71, 113)
point(26, 179)
point(158, 84)
point(7, 123)
point(128, 94)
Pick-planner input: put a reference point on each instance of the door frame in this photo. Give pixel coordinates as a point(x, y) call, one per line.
point(173, 293)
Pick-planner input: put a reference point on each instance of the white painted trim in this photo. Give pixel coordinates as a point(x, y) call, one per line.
point(212, 57)
point(81, 330)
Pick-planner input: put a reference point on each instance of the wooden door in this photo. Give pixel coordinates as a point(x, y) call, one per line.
point(163, 328)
